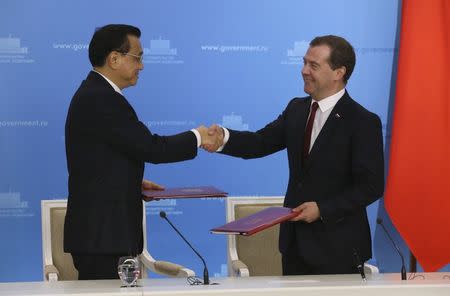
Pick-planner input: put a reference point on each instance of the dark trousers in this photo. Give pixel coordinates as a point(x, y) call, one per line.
point(294, 263)
point(96, 267)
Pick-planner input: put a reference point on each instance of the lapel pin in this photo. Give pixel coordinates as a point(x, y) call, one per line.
point(337, 115)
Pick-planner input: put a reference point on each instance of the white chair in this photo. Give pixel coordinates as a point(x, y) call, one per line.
point(257, 254)
point(59, 265)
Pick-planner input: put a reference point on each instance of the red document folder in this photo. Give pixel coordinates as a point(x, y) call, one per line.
point(183, 192)
point(256, 222)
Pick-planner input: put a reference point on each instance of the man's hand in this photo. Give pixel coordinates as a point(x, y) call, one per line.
point(149, 185)
point(215, 131)
point(212, 138)
point(308, 212)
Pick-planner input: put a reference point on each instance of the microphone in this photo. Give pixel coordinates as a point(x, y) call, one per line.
point(163, 215)
point(359, 265)
point(403, 272)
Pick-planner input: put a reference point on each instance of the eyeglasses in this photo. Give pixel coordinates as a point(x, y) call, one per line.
point(139, 58)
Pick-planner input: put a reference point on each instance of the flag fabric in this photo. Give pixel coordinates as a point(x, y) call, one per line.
point(418, 186)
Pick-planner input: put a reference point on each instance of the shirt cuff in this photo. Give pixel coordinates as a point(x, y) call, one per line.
point(226, 136)
point(198, 136)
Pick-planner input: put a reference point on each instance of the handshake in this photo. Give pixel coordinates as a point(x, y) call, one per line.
point(212, 137)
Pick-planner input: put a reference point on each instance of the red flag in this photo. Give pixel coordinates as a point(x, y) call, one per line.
point(418, 186)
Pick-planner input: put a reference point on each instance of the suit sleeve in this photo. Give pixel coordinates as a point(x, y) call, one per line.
point(118, 126)
point(268, 140)
point(367, 170)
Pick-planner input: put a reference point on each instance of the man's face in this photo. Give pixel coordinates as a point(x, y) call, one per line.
point(130, 63)
point(319, 79)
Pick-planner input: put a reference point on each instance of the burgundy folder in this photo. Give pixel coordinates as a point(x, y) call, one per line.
point(256, 222)
point(183, 192)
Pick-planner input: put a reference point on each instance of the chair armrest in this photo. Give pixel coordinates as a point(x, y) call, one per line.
point(172, 269)
point(369, 268)
point(164, 267)
point(51, 273)
point(239, 268)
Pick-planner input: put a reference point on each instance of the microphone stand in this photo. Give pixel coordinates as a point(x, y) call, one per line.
point(403, 270)
point(163, 215)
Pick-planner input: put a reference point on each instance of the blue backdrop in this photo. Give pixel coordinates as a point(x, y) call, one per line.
point(233, 62)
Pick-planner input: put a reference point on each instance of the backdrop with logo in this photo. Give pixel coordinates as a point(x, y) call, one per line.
point(236, 63)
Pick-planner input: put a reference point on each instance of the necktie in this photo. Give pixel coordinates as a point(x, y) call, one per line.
point(308, 131)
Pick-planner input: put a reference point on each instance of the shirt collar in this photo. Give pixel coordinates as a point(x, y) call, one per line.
point(116, 88)
point(329, 102)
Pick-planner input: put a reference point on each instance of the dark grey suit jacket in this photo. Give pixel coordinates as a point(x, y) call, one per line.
point(106, 147)
point(343, 174)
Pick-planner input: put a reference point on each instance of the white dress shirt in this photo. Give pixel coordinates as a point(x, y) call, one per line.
point(325, 106)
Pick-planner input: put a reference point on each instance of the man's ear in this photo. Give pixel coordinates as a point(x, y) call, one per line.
point(340, 73)
point(113, 59)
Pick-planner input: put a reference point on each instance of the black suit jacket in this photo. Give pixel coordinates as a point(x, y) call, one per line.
point(106, 147)
point(344, 173)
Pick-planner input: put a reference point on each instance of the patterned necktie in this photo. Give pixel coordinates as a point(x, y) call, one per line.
point(308, 131)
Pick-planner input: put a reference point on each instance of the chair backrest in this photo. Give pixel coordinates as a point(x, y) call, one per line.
point(259, 251)
point(53, 213)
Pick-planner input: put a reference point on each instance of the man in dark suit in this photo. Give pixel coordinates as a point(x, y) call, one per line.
point(335, 153)
point(106, 147)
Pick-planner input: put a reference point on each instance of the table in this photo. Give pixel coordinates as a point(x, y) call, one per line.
point(348, 285)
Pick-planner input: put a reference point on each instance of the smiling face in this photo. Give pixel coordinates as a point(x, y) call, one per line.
point(129, 64)
point(320, 80)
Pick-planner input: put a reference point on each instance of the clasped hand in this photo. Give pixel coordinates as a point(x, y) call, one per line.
point(212, 137)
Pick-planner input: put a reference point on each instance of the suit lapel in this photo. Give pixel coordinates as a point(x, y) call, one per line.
point(336, 116)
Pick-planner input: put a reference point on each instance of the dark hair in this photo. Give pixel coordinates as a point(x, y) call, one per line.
point(110, 38)
point(342, 53)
